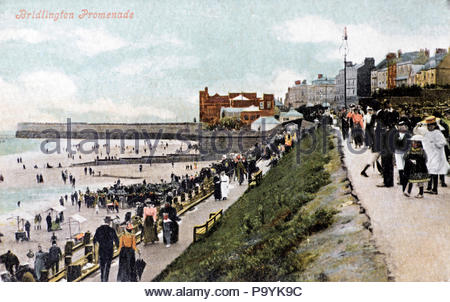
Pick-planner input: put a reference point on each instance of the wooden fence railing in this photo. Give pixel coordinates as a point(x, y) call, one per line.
point(202, 230)
point(182, 203)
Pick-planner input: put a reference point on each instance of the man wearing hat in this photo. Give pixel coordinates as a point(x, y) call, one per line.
point(105, 236)
point(369, 126)
point(401, 145)
point(434, 145)
point(386, 120)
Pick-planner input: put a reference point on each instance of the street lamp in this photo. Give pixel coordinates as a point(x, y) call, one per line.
point(344, 50)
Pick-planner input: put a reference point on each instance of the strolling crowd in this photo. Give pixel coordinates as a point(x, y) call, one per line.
point(417, 146)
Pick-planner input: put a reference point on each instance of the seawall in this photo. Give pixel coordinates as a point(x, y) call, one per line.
point(109, 130)
point(212, 144)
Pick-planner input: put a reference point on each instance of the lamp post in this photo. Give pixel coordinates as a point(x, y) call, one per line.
point(344, 50)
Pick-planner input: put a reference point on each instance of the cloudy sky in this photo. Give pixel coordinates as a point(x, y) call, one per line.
point(151, 67)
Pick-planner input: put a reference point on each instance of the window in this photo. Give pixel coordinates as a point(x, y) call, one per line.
point(246, 117)
point(269, 104)
point(261, 105)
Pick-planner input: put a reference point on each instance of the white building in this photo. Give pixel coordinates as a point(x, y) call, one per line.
point(322, 90)
point(264, 123)
point(297, 95)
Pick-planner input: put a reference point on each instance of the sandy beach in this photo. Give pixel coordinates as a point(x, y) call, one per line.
point(19, 180)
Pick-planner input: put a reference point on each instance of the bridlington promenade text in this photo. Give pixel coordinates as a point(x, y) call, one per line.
point(84, 14)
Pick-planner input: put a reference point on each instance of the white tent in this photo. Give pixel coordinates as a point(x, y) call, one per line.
point(77, 219)
point(21, 216)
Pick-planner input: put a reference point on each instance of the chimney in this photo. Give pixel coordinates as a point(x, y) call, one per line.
point(399, 53)
point(427, 52)
point(440, 51)
point(390, 56)
point(206, 90)
point(298, 82)
point(319, 76)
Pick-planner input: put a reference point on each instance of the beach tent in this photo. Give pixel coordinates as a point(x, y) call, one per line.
point(75, 219)
point(21, 216)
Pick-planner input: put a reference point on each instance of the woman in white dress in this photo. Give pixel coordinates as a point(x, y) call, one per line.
point(434, 145)
point(224, 183)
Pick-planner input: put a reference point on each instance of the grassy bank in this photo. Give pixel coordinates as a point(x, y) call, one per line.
point(258, 237)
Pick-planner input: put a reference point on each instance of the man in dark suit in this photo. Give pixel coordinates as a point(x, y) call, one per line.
point(11, 262)
point(106, 236)
point(49, 222)
point(386, 121)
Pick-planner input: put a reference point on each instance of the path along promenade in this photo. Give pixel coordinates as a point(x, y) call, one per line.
point(157, 256)
point(413, 233)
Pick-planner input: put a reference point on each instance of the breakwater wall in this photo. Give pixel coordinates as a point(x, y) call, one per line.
point(211, 144)
point(186, 131)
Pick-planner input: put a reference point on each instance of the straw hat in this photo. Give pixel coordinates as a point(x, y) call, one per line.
point(430, 120)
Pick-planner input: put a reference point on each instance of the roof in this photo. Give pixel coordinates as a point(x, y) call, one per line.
point(240, 98)
point(408, 56)
point(291, 113)
point(381, 65)
point(416, 68)
point(267, 120)
point(324, 81)
point(404, 58)
point(433, 62)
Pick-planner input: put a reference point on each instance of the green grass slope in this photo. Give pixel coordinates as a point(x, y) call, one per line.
point(258, 237)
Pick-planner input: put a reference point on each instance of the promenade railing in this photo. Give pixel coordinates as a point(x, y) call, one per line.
point(202, 230)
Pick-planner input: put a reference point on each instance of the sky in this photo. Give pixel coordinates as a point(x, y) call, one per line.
point(150, 68)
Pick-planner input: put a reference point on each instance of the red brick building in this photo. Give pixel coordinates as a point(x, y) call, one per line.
point(210, 105)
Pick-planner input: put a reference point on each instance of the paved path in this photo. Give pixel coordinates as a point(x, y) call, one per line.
point(158, 256)
point(413, 233)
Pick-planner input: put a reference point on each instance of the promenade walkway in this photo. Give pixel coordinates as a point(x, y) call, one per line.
point(413, 233)
point(158, 256)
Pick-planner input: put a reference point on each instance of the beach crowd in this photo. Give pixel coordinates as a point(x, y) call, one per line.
point(154, 206)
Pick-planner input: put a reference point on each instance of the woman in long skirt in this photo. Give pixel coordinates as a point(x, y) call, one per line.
point(127, 257)
point(224, 185)
point(150, 218)
point(167, 229)
point(217, 192)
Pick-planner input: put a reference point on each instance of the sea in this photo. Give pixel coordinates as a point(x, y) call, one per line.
point(33, 200)
point(36, 199)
